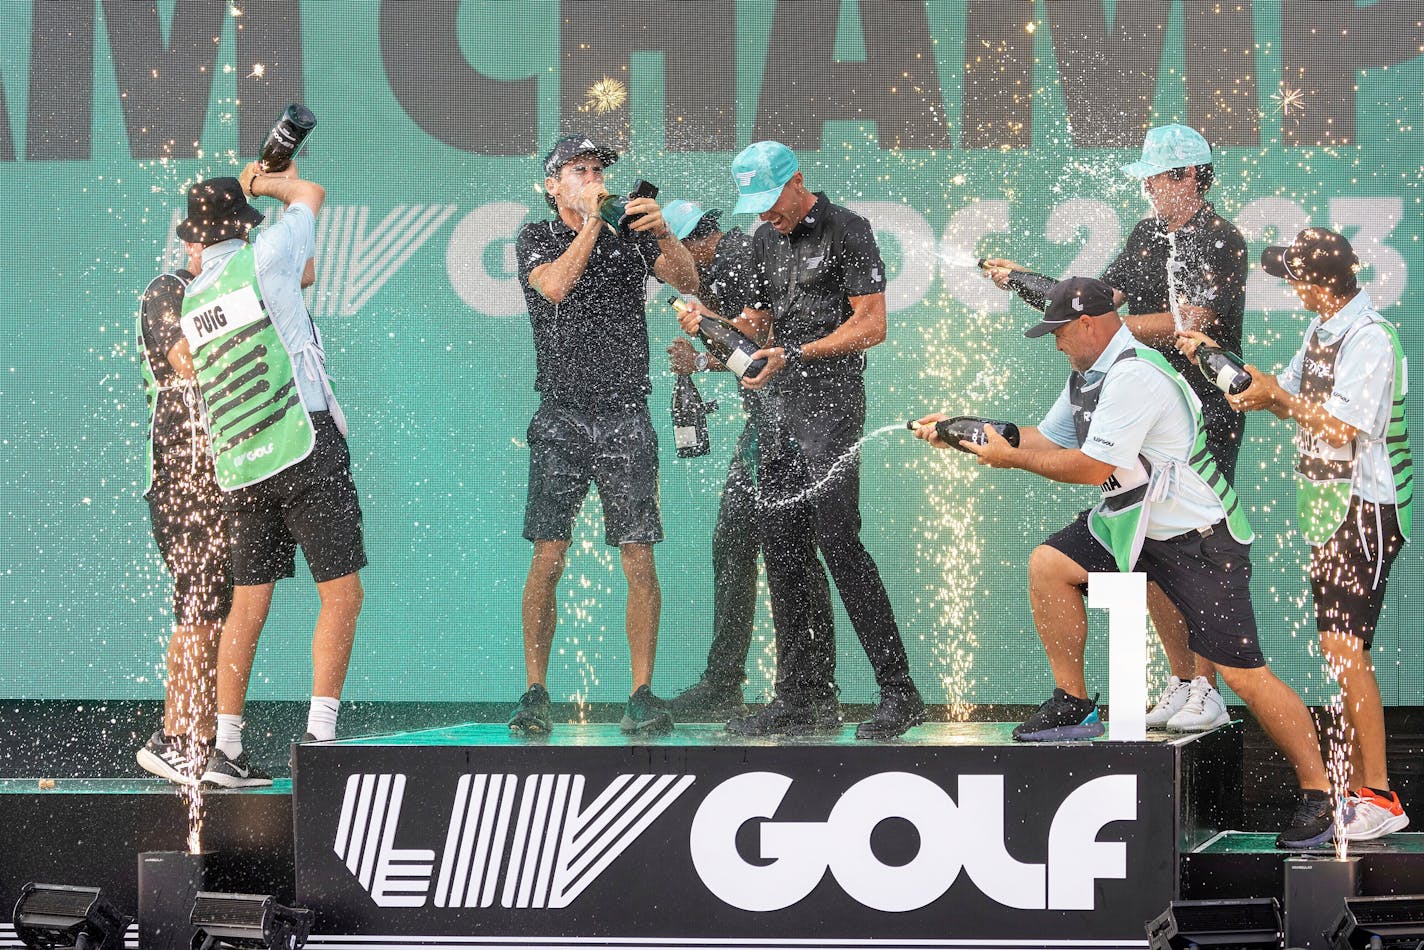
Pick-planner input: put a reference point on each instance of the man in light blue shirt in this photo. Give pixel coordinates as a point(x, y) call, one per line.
point(1345, 390)
point(278, 437)
point(1129, 423)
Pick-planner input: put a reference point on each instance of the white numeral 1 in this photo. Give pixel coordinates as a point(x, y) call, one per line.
point(1124, 597)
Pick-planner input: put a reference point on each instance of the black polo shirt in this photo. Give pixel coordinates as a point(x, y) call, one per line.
point(160, 316)
point(1210, 272)
point(592, 347)
point(726, 286)
point(809, 276)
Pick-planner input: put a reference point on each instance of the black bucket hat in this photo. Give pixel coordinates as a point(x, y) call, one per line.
point(217, 211)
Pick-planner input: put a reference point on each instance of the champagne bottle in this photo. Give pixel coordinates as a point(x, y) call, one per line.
point(614, 209)
point(1032, 288)
point(689, 419)
point(722, 341)
point(286, 138)
point(963, 429)
point(1224, 368)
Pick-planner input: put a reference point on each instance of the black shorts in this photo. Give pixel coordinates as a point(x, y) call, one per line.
point(1342, 575)
point(615, 448)
point(185, 506)
point(313, 503)
point(1207, 574)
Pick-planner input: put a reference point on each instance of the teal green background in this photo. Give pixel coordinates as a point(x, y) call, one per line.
point(439, 392)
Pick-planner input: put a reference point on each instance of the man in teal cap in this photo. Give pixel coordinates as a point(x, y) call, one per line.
point(724, 265)
point(1183, 269)
point(819, 289)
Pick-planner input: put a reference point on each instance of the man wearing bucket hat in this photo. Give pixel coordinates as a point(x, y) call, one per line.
point(584, 284)
point(1182, 265)
point(724, 264)
point(1127, 422)
point(1345, 389)
point(279, 440)
point(820, 278)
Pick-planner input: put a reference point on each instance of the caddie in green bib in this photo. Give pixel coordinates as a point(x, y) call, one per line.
point(1119, 521)
point(258, 422)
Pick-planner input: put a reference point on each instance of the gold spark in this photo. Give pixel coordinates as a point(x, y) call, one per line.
point(233, 11)
point(257, 70)
point(606, 95)
point(1287, 99)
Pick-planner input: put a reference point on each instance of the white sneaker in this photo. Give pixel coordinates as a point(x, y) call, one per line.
point(1365, 815)
point(1204, 709)
point(1174, 697)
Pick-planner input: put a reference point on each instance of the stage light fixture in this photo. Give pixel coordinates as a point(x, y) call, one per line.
point(1379, 923)
point(257, 921)
point(1221, 925)
point(59, 917)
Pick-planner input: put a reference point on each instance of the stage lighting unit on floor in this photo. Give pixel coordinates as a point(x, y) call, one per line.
point(59, 917)
point(1379, 923)
point(1220, 925)
point(257, 921)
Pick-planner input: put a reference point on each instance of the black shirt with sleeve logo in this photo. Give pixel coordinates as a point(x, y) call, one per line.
point(809, 276)
point(1210, 272)
point(591, 348)
point(161, 314)
point(727, 286)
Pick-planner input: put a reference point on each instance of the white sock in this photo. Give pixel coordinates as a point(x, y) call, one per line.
point(230, 735)
point(321, 720)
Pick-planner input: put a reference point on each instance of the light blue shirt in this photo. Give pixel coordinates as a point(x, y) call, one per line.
point(1141, 411)
point(1363, 390)
point(282, 252)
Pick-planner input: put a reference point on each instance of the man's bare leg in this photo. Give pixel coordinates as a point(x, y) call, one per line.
point(1060, 615)
point(645, 605)
point(1285, 719)
point(539, 609)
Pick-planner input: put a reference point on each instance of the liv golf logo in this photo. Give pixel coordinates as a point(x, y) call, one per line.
point(541, 846)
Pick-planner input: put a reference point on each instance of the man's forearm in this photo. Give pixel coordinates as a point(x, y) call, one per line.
point(864, 329)
point(555, 279)
point(680, 270)
point(1312, 417)
point(1069, 466)
point(290, 190)
point(1155, 328)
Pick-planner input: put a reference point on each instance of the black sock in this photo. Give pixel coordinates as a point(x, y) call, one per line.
point(1381, 792)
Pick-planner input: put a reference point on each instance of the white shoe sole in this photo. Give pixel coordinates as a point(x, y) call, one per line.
point(233, 781)
point(1222, 720)
point(1396, 823)
point(156, 766)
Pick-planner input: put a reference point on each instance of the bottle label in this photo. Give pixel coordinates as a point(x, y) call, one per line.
point(738, 361)
point(1225, 377)
point(685, 436)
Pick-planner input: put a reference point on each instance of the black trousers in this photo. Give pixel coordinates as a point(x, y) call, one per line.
point(736, 543)
point(810, 494)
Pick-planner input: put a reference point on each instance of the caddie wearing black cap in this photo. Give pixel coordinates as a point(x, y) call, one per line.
point(584, 284)
point(1128, 422)
point(278, 438)
point(1345, 390)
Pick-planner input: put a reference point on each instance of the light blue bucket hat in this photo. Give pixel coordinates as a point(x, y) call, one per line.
point(1167, 147)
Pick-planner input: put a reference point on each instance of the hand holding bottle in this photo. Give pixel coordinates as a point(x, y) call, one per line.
point(998, 270)
point(1188, 341)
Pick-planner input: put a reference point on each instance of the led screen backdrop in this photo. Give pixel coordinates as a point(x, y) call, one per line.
point(960, 129)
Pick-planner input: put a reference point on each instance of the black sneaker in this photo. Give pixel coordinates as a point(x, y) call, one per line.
point(164, 759)
point(233, 773)
point(705, 701)
point(782, 718)
point(898, 712)
point(1060, 718)
point(1312, 825)
point(531, 715)
point(646, 714)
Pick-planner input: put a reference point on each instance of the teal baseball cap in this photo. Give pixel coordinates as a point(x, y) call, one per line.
point(682, 217)
point(761, 170)
point(1167, 147)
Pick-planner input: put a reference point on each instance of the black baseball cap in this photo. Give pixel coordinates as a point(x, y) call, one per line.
point(570, 147)
point(217, 211)
point(1071, 298)
point(1317, 256)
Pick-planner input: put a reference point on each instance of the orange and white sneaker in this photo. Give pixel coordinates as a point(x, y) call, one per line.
point(1364, 814)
